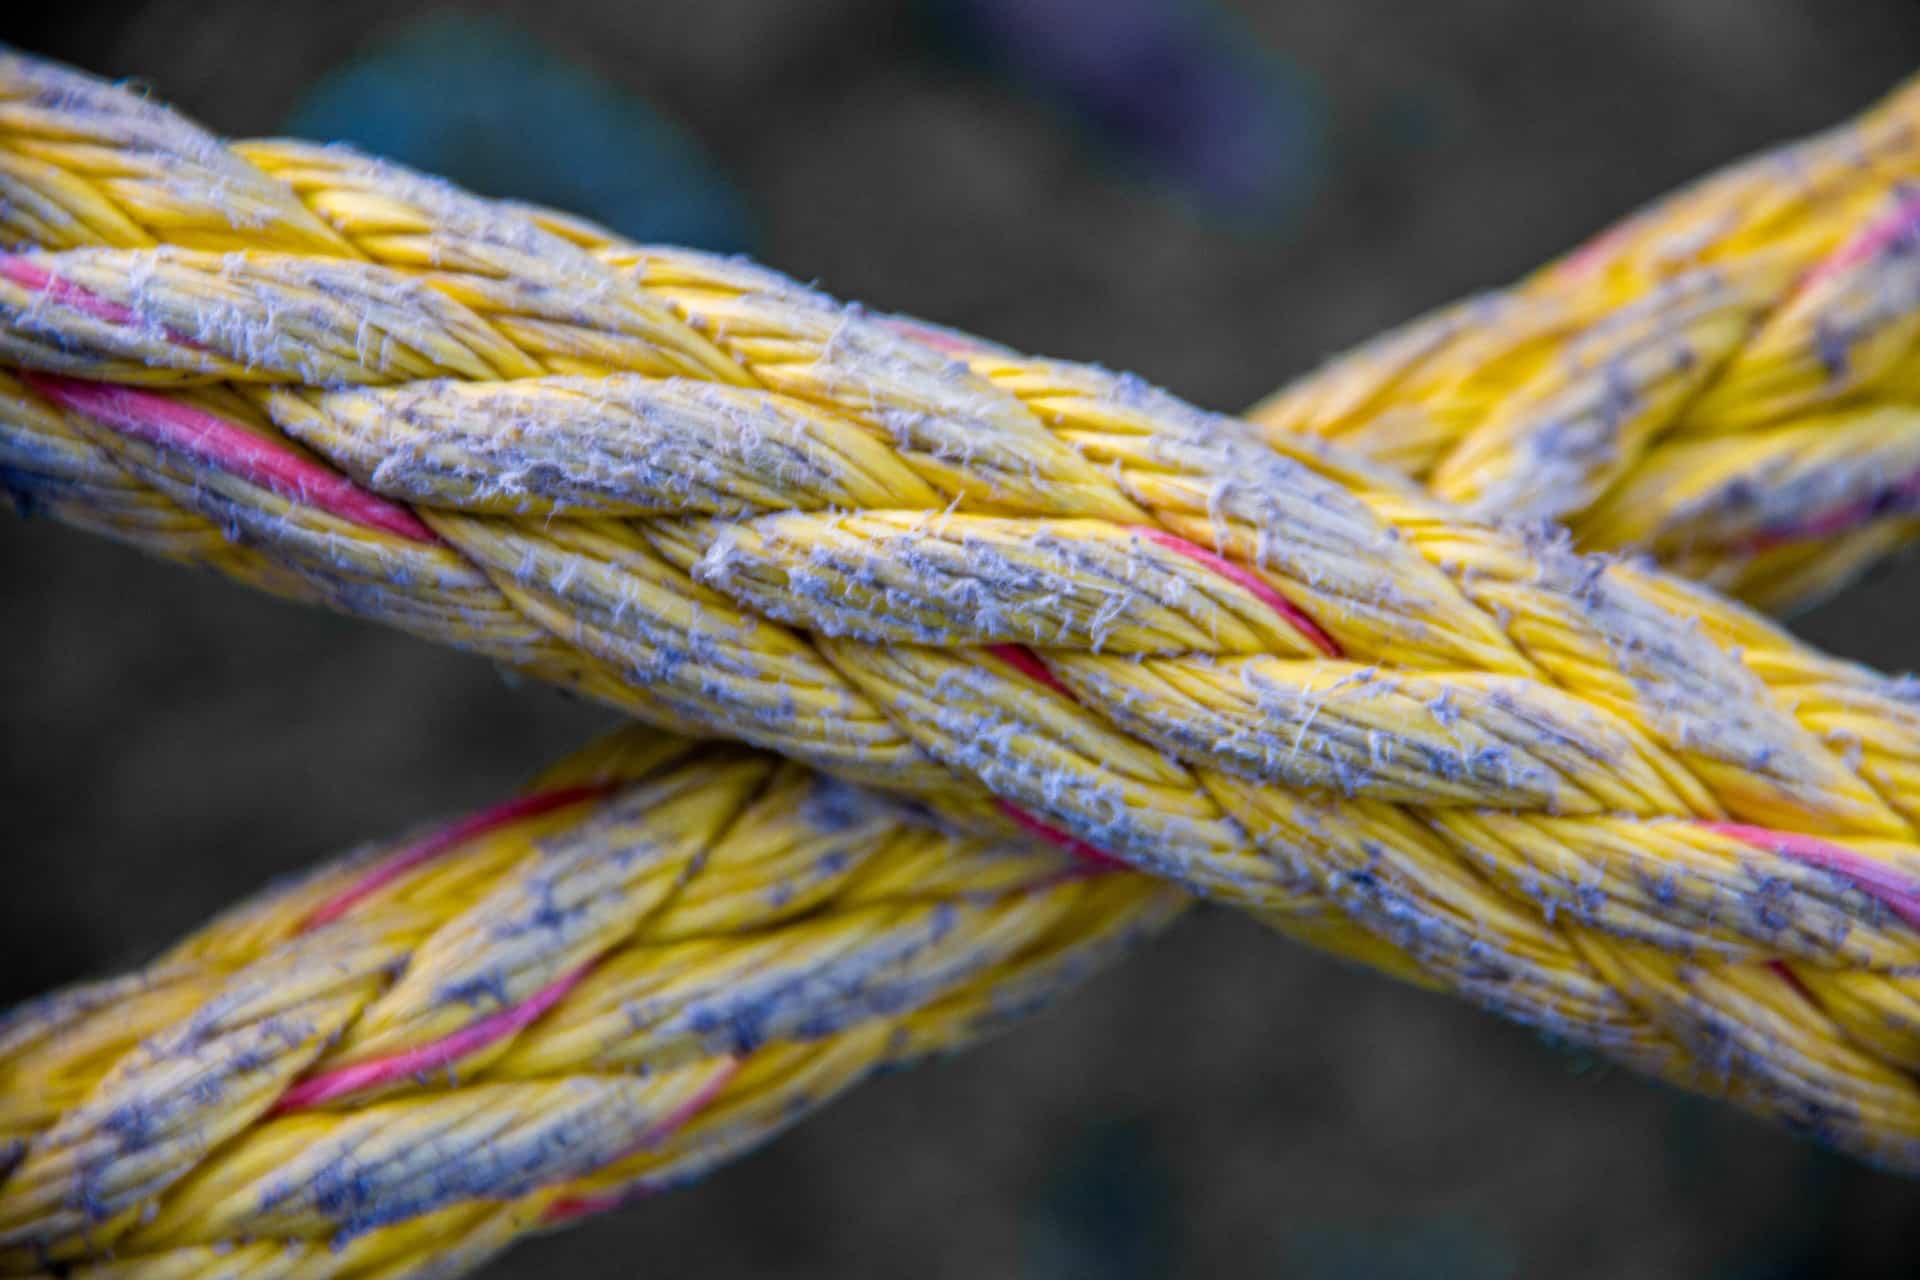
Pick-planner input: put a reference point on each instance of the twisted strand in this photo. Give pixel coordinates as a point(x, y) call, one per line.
point(657, 957)
point(1728, 380)
point(1032, 594)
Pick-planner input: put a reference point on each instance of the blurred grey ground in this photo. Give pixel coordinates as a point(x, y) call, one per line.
point(1289, 179)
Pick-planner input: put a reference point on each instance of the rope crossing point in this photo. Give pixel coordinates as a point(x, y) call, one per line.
point(1729, 380)
point(1597, 800)
point(658, 957)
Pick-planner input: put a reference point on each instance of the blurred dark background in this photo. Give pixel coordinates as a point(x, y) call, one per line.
point(1211, 194)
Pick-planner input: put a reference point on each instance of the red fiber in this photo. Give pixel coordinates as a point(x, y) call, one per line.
point(1029, 664)
point(945, 341)
point(375, 1072)
point(571, 1207)
point(1900, 893)
point(184, 428)
point(436, 843)
point(1904, 219)
point(1899, 497)
point(32, 275)
point(1792, 979)
point(1590, 257)
point(1252, 582)
point(1060, 839)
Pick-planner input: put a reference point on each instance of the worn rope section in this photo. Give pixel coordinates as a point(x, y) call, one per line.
point(1033, 595)
point(1729, 380)
point(657, 957)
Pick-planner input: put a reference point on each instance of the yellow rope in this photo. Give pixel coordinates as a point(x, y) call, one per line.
point(658, 957)
point(1728, 380)
point(1026, 593)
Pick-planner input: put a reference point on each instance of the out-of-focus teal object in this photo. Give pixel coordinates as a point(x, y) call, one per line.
point(485, 104)
point(1109, 1207)
point(1396, 1247)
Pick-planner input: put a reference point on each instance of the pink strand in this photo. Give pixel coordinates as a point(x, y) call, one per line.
point(945, 341)
point(1901, 894)
point(32, 275)
point(1900, 497)
point(170, 424)
point(1591, 257)
point(1878, 235)
point(1029, 664)
point(1792, 979)
point(572, 1207)
point(1060, 839)
point(448, 837)
point(360, 1076)
point(1252, 582)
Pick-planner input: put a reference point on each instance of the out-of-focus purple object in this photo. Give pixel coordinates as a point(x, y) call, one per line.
point(1175, 85)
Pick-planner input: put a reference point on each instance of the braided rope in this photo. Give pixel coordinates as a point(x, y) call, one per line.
point(1728, 380)
point(656, 958)
point(1029, 593)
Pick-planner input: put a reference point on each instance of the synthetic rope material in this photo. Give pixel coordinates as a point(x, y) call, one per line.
point(658, 957)
point(1032, 595)
point(1728, 380)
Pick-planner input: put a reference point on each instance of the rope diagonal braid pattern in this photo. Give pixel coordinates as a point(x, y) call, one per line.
point(1728, 380)
point(657, 957)
point(1025, 592)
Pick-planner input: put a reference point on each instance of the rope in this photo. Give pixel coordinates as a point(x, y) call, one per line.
point(1729, 380)
point(656, 958)
point(1594, 799)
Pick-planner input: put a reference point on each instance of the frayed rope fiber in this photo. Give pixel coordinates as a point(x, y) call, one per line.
point(1596, 799)
point(658, 957)
point(1728, 381)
